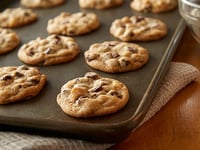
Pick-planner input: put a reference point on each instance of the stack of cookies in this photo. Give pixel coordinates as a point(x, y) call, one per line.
point(91, 95)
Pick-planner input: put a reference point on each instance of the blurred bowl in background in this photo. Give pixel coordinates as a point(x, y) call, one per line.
point(190, 11)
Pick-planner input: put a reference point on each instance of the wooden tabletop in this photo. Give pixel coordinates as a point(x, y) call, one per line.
point(177, 125)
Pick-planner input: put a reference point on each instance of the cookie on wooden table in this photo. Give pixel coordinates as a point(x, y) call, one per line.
point(16, 17)
point(155, 6)
point(41, 3)
point(8, 40)
point(53, 49)
point(20, 83)
point(115, 56)
point(73, 24)
point(138, 28)
point(99, 4)
point(92, 95)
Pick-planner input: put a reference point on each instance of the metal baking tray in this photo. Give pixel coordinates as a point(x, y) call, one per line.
point(42, 113)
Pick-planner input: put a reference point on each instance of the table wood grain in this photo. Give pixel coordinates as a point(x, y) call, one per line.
point(177, 124)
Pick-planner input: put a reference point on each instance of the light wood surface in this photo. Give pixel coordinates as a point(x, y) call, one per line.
point(177, 125)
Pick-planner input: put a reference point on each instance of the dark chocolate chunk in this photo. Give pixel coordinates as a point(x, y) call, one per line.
point(18, 74)
point(6, 78)
point(139, 18)
point(97, 88)
point(133, 50)
point(92, 75)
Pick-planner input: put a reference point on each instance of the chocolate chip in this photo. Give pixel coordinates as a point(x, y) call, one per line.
point(115, 93)
point(91, 57)
point(77, 81)
point(94, 95)
point(92, 75)
point(80, 100)
point(18, 74)
point(31, 53)
point(6, 78)
point(71, 32)
point(49, 51)
point(131, 34)
point(57, 39)
point(19, 86)
point(35, 81)
point(108, 55)
point(133, 50)
point(123, 25)
point(139, 18)
point(24, 68)
point(124, 63)
point(97, 88)
point(83, 14)
point(112, 44)
point(115, 55)
point(26, 14)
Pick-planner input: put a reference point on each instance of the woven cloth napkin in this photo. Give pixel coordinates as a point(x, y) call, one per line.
point(177, 77)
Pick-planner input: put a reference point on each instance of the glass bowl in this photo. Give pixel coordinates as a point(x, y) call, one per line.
point(190, 11)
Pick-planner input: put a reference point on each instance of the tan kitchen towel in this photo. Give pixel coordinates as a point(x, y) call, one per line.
point(177, 77)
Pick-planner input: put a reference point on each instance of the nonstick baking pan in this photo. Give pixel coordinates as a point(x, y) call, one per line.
point(42, 112)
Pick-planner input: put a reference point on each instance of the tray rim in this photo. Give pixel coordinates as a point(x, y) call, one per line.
point(135, 119)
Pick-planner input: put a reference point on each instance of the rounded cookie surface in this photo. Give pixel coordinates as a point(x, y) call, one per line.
point(16, 17)
point(99, 4)
point(92, 95)
point(8, 40)
point(155, 6)
point(73, 24)
point(41, 3)
point(19, 83)
point(138, 28)
point(115, 56)
point(53, 49)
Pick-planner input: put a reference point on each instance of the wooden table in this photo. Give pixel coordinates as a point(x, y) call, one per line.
point(177, 125)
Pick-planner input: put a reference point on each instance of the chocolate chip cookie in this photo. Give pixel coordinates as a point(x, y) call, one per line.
point(41, 3)
point(53, 49)
point(138, 28)
point(92, 95)
point(16, 17)
point(115, 56)
point(99, 4)
point(20, 83)
point(73, 24)
point(8, 40)
point(155, 6)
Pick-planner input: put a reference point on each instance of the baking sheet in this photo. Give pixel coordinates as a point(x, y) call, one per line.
point(42, 111)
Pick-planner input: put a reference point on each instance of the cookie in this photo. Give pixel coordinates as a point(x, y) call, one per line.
point(16, 17)
point(115, 56)
point(53, 49)
point(92, 95)
point(99, 4)
point(41, 3)
point(154, 6)
point(138, 28)
point(8, 40)
point(73, 24)
point(20, 83)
